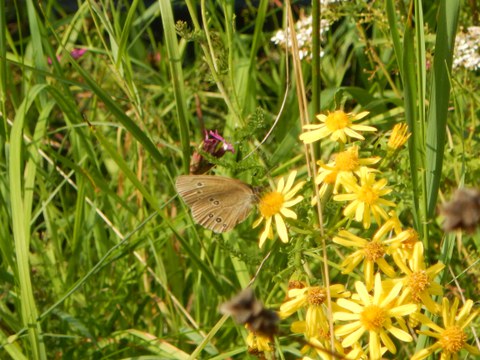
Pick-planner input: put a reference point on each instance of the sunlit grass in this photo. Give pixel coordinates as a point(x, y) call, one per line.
point(103, 107)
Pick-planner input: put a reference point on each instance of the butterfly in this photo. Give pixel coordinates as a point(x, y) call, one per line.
point(218, 203)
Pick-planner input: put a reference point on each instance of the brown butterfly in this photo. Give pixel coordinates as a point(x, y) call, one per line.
point(217, 203)
point(246, 309)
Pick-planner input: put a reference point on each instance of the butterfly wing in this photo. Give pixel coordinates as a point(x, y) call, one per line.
point(217, 203)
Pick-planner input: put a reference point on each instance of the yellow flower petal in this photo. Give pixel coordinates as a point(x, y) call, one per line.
point(400, 334)
point(281, 228)
point(353, 337)
point(288, 213)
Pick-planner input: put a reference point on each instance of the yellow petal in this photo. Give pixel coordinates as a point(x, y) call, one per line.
point(266, 232)
point(293, 202)
point(290, 180)
point(280, 185)
point(360, 115)
point(353, 337)
point(374, 346)
point(388, 342)
point(281, 228)
point(400, 334)
point(288, 213)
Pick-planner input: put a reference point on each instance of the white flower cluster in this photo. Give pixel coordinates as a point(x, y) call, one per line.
point(324, 3)
point(303, 28)
point(467, 49)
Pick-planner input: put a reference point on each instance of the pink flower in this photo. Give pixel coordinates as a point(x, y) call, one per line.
point(213, 144)
point(76, 54)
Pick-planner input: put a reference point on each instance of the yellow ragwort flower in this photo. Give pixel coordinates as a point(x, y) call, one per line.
point(402, 251)
point(393, 223)
point(258, 343)
point(310, 297)
point(398, 137)
point(419, 285)
point(451, 338)
point(371, 252)
point(315, 327)
point(365, 197)
point(320, 348)
point(345, 163)
point(276, 204)
point(373, 314)
point(338, 125)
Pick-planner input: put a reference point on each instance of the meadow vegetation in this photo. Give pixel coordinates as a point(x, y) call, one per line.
point(354, 122)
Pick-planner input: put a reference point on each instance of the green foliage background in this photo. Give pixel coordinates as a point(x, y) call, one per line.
point(99, 258)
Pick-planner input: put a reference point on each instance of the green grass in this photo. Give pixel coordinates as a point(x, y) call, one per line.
point(100, 258)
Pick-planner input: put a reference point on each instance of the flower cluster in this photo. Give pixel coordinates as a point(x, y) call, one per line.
point(395, 288)
point(303, 29)
point(467, 49)
point(304, 32)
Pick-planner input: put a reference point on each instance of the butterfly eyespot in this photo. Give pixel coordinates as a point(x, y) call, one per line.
point(211, 198)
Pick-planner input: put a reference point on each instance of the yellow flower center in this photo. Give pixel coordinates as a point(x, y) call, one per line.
point(316, 296)
point(367, 195)
point(417, 282)
point(347, 161)
point(452, 339)
point(296, 284)
point(271, 203)
point(372, 318)
point(337, 120)
point(374, 251)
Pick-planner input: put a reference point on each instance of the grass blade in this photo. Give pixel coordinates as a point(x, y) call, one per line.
point(439, 98)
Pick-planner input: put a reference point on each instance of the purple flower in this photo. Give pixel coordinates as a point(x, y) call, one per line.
point(76, 54)
point(212, 141)
point(214, 144)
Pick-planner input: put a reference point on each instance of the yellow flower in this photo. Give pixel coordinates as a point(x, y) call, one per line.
point(403, 251)
point(398, 137)
point(451, 338)
point(314, 298)
point(275, 204)
point(318, 336)
point(320, 348)
point(373, 314)
point(327, 177)
point(365, 197)
point(393, 223)
point(419, 285)
point(370, 252)
point(258, 344)
point(346, 163)
point(338, 125)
